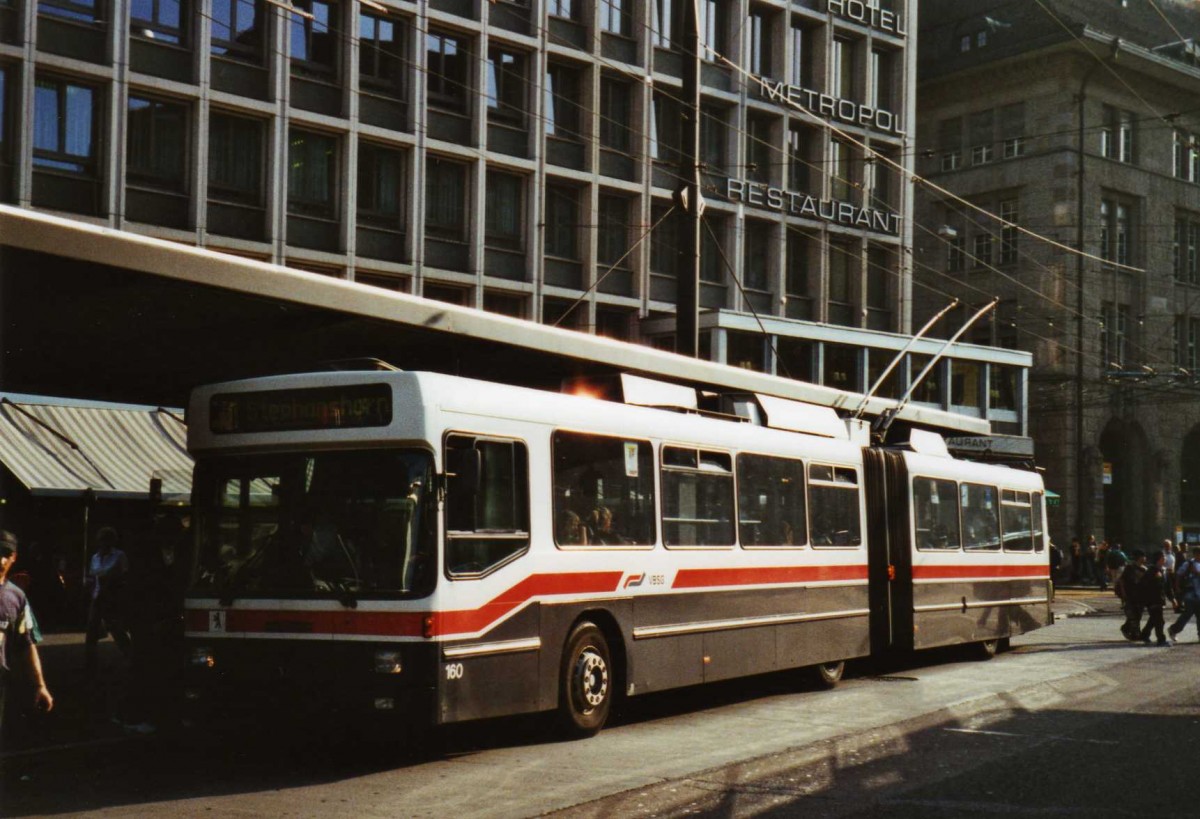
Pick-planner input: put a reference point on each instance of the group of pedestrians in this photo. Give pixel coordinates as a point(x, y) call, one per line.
point(1148, 583)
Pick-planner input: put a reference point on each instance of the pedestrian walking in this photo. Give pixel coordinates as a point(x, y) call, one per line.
point(1187, 587)
point(1116, 562)
point(107, 575)
point(1088, 560)
point(1102, 564)
point(1168, 571)
point(1126, 589)
point(1151, 594)
point(1076, 560)
point(16, 631)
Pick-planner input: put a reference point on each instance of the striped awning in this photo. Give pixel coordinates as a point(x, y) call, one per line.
point(65, 451)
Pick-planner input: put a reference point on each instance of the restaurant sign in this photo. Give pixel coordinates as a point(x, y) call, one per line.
point(794, 203)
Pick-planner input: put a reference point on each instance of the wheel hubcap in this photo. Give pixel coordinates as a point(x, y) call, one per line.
point(591, 678)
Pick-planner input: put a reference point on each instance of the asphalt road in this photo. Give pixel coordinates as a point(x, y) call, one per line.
point(1073, 721)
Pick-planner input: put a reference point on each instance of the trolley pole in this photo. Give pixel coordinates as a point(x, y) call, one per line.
point(687, 306)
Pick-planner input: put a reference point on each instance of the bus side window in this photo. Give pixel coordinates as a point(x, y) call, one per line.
point(1039, 529)
point(487, 503)
point(980, 516)
point(697, 504)
point(935, 504)
point(1017, 518)
point(835, 506)
point(603, 491)
point(771, 508)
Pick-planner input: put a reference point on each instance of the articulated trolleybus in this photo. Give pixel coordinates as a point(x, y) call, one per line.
point(443, 549)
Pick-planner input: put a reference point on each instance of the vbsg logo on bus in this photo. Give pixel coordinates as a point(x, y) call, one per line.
point(349, 407)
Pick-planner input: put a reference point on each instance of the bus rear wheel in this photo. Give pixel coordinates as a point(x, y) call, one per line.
point(828, 675)
point(987, 649)
point(586, 683)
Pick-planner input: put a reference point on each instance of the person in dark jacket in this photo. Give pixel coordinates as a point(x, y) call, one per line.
point(1126, 589)
point(1150, 593)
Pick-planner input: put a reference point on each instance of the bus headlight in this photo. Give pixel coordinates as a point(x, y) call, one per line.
point(387, 661)
point(202, 657)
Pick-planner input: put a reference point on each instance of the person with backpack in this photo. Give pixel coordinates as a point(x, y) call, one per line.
point(1150, 593)
point(1126, 589)
point(1187, 588)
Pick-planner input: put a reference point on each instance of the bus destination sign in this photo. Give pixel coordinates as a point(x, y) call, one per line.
point(350, 407)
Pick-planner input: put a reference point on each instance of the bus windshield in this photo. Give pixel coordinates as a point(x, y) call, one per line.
point(339, 523)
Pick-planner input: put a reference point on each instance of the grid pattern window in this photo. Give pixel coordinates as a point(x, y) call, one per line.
point(445, 199)
point(616, 99)
point(664, 254)
point(1185, 155)
point(798, 152)
point(616, 17)
point(666, 134)
point(156, 147)
point(64, 126)
point(843, 269)
point(956, 252)
point(980, 516)
point(883, 79)
point(797, 283)
point(839, 170)
point(603, 491)
point(935, 514)
point(1114, 328)
point(981, 250)
point(566, 9)
point(759, 57)
point(504, 210)
point(315, 36)
point(1016, 516)
point(756, 254)
point(835, 505)
point(612, 231)
point(771, 503)
point(697, 497)
point(1186, 249)
point(507, 88)
point(312, 174)
point(712, 243)
point(381, 187)
point(1117, 134)
point(82, 11)
point(160, 20)
point(562, 222)
point(663, 24)
point(981, 136)
point(800, 71)
point(842, 68)
point(1009, 213)
point(487, 503)
point(879, 272)
point(760, 152)
point(713, 24)
point(564, 84)
point(1012, 130)
point(235, 159)
point(950, 144)
point(714, 135)
point(1116, 231)
point(381, 53)
point(238, 28)
point(447, 60)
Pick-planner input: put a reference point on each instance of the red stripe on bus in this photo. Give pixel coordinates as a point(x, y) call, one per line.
point(1038, 570)
point(704, 578)
point(407, 623)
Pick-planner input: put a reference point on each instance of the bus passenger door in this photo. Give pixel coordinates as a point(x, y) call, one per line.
point(889, 556)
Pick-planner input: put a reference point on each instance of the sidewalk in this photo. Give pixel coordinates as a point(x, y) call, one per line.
point(85, 705)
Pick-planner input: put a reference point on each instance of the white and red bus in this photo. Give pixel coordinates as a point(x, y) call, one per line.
point(447, 549)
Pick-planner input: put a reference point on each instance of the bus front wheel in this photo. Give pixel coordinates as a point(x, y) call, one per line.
point(586, 683)
point(828, 675)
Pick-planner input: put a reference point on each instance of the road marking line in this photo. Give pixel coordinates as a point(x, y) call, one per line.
point(1028, 736)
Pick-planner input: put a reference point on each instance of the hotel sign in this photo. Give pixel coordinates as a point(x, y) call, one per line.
point(847, 111)
point(868, 15)
point(794, 203)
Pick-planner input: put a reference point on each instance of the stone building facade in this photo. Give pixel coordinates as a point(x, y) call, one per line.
point(1078, 120)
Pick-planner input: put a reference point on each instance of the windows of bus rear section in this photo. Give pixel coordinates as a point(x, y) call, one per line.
point(1016, 517)
point(697, 502)
point(835, 505)
point(1039, 525)
point(771, 507)
point(487, 503)
point(980, 516)
point(603, 491)
point(935, 513)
